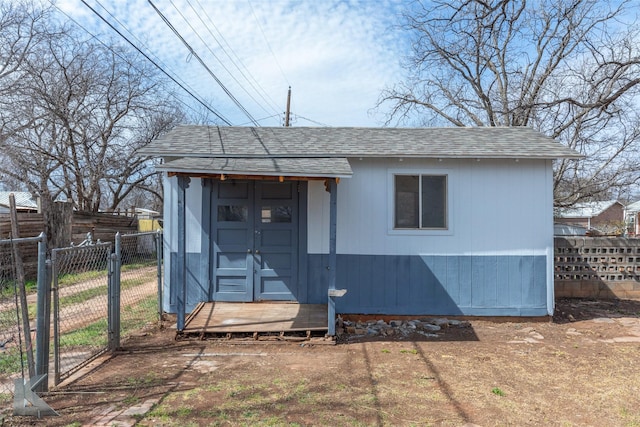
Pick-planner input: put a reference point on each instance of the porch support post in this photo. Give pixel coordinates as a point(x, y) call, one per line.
point(183, 184)
point(333, 213)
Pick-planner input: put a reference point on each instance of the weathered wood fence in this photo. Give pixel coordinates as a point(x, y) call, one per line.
point(71, 229)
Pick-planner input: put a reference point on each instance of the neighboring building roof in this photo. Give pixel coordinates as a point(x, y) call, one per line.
point(633, 207)
point(24, 199)
point(586, 209)
point(569, 230)
point(328, 142)
point(143, 211)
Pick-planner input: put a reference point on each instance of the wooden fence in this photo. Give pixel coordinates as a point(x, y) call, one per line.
point(101, 226)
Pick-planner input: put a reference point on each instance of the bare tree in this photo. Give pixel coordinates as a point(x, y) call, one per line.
point(74, 112)
point(570, 69)
point(23, 26)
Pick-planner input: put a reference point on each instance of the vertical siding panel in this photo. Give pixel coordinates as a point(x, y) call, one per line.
point(528, 282)
point(347, 303)
point(419, 278)
point(491, 281)
point(478, 288)
point(465, 281)
point(170, 241)
point(515, 281)
point(503, 282)
point(351, 273)
point(404, 292)
point(424, 271)
point(365, 277)
point(539, 272)
point(453, 279)
point(391, 281)
point(318, 279)
point(439, 293)
point(318, 218)
point(378, 285)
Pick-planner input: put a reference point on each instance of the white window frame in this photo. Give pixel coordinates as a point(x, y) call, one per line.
point(391, 201)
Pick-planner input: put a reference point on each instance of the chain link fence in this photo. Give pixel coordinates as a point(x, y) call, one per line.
point(17, 312)
point(82, 302)
point(140, 277)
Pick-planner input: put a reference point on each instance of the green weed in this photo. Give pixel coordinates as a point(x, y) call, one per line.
point(497, 391)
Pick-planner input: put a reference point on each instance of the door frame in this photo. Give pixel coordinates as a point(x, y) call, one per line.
point(302, 253)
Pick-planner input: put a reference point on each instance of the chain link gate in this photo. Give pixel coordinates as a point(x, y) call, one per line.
point(102, 293)
point(139, 278)
point(81, 277)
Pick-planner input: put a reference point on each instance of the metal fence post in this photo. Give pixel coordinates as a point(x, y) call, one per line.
point(110, 286)
point(43, 323)
point(56, 316)
point(115, 296)
point(159, 249)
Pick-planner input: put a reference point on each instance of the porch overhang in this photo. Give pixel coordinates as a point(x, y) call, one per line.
point(255, 167)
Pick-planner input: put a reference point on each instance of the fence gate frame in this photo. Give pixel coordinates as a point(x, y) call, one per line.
point(56, 254)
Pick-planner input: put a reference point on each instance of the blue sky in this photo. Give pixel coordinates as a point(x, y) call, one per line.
point(337, 56)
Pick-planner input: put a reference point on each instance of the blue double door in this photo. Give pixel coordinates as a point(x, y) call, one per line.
point(255, 241)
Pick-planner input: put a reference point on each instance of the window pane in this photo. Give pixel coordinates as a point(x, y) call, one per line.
point(407, 201)
point(276, 214)
point(434, 201)
point(233, 213)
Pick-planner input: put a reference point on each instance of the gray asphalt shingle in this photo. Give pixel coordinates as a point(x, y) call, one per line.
point(307, 142)
point(317, 167)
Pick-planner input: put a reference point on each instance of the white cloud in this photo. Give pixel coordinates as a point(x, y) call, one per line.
point(336, 55)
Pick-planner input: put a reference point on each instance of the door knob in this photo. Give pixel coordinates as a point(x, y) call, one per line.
point(248, 251)
point(257, 251)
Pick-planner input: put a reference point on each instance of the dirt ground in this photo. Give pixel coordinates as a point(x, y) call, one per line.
point(581, 368)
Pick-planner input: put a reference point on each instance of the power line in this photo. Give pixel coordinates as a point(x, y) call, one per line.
point(267, 41)
point(313, 121)
point(252, 80)
point(220, 116)
point(141, 43)
point(193, 52)
point(114, 51)
point(213, 53)
point(264, 118)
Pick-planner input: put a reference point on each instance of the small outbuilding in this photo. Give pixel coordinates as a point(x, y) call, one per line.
point(25, 202)
point(394, 221)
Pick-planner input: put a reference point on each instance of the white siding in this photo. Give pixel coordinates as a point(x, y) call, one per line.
point(318, 218)
point(497, 207)
point(169, 233)
point(193, 215)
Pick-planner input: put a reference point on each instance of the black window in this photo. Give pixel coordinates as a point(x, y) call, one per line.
point(421, 201)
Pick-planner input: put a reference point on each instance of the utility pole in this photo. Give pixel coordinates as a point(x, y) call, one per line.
point(288, 112)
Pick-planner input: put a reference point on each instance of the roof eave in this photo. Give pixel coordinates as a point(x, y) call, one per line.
point(207, 172)
point(368, 156)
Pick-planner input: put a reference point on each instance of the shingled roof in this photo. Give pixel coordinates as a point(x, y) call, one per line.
point(341, 142)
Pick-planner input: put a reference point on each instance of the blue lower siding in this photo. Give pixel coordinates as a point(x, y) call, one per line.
point(197, 275)
point(434, 285)
point(405, 285)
